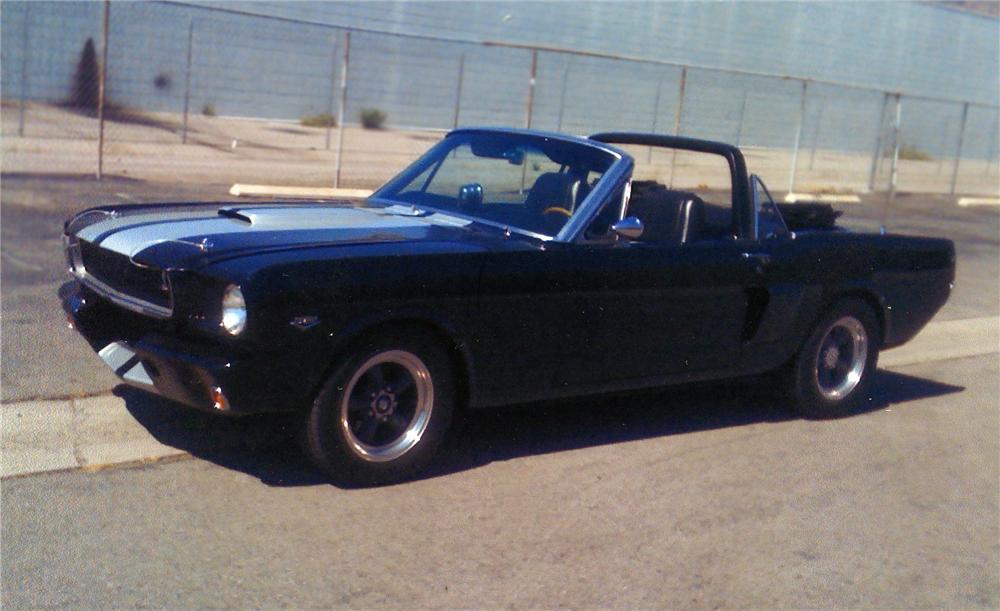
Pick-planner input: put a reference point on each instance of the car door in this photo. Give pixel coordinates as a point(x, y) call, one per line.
point(669, 305)
point(525, 321)
point(649, 312)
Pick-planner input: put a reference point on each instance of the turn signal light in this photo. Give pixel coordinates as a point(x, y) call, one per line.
point(219, 400)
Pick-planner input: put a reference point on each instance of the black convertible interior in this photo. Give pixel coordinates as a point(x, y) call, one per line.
point(676, 217)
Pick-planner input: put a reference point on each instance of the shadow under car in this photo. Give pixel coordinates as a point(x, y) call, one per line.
point(264, 446)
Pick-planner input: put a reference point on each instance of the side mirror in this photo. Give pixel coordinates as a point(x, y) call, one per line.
point(629, 227)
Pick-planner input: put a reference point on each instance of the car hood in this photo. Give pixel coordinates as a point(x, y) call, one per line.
point(189, 236)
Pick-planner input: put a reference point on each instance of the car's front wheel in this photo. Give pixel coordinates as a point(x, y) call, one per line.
point(831, 374)
point(382, 414)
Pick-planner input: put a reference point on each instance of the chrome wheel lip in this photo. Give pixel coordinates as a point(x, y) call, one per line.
point(845, 344)
point(415, 429)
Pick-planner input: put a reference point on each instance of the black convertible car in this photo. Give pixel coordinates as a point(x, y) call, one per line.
point(503, 266)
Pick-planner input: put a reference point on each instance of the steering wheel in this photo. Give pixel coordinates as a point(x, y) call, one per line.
point(557, 210)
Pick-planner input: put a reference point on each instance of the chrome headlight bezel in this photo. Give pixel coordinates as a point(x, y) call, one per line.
point(74, 260)
point(233, 318)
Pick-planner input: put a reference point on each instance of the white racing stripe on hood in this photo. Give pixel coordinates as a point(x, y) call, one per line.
point(277, 218)
point(144, 230)
point(108, 224)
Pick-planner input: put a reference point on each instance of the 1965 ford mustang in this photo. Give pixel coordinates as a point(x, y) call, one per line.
point(503, 266)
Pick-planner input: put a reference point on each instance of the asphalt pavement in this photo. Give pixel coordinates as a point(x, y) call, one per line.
point(692, 498)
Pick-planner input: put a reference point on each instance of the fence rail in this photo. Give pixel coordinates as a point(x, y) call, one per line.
point(209, 93)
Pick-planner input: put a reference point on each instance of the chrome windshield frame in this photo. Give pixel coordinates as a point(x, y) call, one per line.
point(617, 175)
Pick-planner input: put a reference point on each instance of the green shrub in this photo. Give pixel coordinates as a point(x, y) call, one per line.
point(321, 120)
point(86, 81)
point(373, 118)
point(908, 152)
point(208, 110)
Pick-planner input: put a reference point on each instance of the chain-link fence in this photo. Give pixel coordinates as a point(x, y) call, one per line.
point(219, 95)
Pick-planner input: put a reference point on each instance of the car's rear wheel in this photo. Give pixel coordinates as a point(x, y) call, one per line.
point(832, 372)
point(381, 416)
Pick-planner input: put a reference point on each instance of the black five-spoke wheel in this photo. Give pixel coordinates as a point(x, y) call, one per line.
point(387, 405)
point(383, 413)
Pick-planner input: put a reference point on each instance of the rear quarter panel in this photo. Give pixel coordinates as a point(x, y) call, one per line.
point(906, 279)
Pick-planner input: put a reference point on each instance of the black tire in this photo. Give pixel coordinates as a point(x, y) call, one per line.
point(360, 432)
point(831, 374)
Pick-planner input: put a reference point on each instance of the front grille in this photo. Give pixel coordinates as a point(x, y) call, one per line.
point(119, 273)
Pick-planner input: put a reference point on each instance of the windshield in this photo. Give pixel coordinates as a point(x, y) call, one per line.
point(523, 181)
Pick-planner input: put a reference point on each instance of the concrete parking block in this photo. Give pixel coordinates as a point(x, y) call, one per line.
point(965, 202)
point(826, 198)
point(244, 190)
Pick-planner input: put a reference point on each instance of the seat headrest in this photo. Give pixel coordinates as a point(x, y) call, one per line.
point(667, 216)
point(552, 189)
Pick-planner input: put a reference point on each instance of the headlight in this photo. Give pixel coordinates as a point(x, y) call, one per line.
point(234, 310)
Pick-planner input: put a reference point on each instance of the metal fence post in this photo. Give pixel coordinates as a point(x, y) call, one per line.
point(333, 91)
point(531, 90)
point(458, 90)
point(991, 160)
point(798, 136)
point(944, 143)
point(530, 110)
point(894, 167)
point(677, 122)
point(656, 112)
point(187, 81)
point(343, 102)
point(819, 126)
point(743, 112)
point(877, 155)
point(24, 70)
point(562, 95)
point(102, 84)
point(961, 142)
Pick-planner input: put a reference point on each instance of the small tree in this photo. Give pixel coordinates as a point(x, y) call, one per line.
point(86, 82)
point(373, 118)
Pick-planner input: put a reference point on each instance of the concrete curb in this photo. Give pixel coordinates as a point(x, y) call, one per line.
point(947, 339)
point(91, 433)
point(99, 432)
